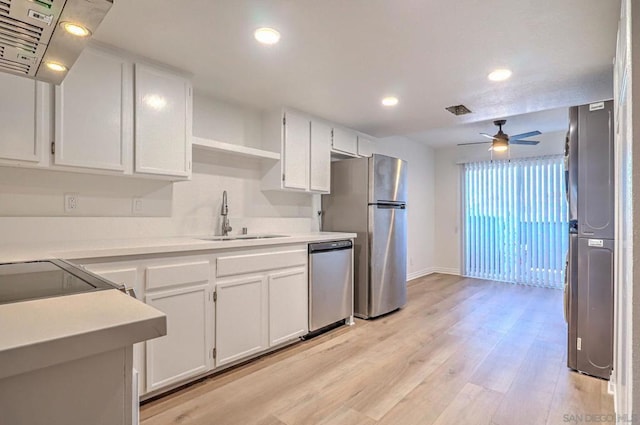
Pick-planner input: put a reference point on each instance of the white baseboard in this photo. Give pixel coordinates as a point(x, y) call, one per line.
point(431, 270)
point(446, 270)
point(420, 273)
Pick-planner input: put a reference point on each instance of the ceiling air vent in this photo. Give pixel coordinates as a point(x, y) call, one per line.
point(458, 110)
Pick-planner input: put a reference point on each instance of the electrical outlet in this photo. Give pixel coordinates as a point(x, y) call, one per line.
point(137, 206)
point(71, 202)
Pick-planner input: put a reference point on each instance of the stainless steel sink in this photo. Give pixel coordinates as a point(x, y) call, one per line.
point(241, 237)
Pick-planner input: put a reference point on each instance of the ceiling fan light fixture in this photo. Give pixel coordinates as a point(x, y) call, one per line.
point(499, 145)
point(500, 74)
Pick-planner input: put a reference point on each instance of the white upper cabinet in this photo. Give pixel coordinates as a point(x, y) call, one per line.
point(296, 139)
point(305, 147)
point(163, 104)
point(101, 122)
point(365, 146)
point(23, 120)
point(93, 113)
point(345, 141)
point(320, 160)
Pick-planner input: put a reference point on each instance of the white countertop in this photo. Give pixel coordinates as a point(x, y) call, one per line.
point(44, 332)
point(71, 250)
point(49, 331)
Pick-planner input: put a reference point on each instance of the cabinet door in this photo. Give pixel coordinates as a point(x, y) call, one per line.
point(595, 306)
point(320, 162)
point(365, 146)
point(21, 120)
point(162, 122)
point(184, 351)
point(288, 305)
point(126, 275)
point(240, 319)
point(94, 113)
point(295, 152)
point(345, 141)
point(596, 175)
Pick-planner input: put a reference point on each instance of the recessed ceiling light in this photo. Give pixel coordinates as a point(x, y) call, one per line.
point(75, 29)
point(267, 35)
point(500, 74)
point(390, 101)
point(57, 67)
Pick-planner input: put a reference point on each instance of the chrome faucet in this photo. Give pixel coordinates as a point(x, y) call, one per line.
point(226, 228)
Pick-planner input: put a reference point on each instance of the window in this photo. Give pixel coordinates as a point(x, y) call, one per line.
point(516, 226)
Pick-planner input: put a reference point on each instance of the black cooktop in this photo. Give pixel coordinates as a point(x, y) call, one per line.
point(48, 278)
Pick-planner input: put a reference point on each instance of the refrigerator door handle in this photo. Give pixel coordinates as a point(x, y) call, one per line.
point(390, 205)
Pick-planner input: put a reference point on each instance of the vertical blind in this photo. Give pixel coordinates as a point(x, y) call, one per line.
point(516, 227)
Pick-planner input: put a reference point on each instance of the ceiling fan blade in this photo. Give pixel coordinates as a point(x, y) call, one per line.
point(473, 143)
point(523, 142)
point(525, 135)
point(488, 136)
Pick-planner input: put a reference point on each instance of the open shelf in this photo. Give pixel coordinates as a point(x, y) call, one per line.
point(229, 148)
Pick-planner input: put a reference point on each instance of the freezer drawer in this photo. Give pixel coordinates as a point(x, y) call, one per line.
point(330, 283)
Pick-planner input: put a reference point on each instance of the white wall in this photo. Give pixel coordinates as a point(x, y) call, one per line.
point(448, 192)
point(31, 201)
point(420, 205)
point(626, 367)
point(448, 231)
point(630, 232)
point(225, 122)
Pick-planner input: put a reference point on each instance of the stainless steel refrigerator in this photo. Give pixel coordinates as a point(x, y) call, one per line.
point(369, 197)
point(589, 289)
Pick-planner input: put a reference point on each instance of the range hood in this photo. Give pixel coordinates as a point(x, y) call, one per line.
point(34, 42)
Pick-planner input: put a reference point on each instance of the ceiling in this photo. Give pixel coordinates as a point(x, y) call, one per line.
point(337, 59)
point(547, 121)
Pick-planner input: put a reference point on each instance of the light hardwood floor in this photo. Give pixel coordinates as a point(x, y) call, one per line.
point(463, 351)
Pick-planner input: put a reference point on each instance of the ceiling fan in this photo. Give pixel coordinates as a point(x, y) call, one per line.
point(500, 141)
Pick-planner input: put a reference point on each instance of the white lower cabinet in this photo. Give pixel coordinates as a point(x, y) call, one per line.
point(240, 325)
point(243, 302)
point(262, 301)
point(127, 274)
point(183, 352)
point(180, 287)
point(288, 305)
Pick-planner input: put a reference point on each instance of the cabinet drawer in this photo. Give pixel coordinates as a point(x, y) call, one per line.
point(162, 276)
point(251, 263)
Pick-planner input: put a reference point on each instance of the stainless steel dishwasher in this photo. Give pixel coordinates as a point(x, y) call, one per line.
point(330, 283)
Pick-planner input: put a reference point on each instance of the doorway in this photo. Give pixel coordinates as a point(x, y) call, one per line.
point(515, 219)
